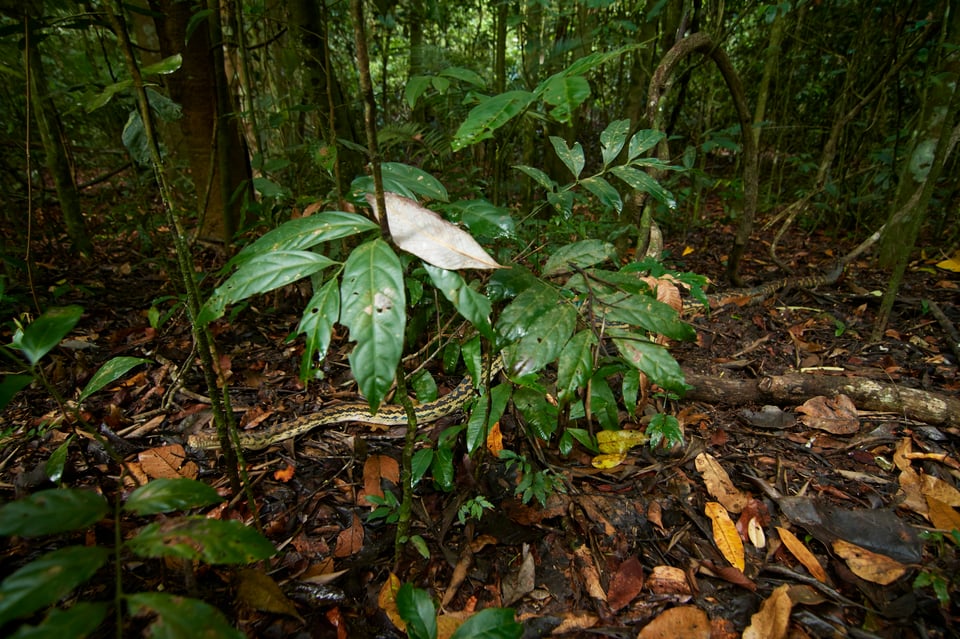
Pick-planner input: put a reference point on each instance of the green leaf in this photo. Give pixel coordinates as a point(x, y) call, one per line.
point(490, 623)
point(10, 386)
point(538, 176)
point(464, 75)
point(603, 404)
point(195, 21)
point(422, 459)
point(490, 115)
point(411, 181)
point(110, 372)
point(52, 511)
point(565, 93)
point(612, 140)
point(665, 430)
point(546, 336)
point(515, 319)
point(582, 254)
point(572, 157)
point(539, 414)
point(168, 495)
point(103, 98)
point(261, 274)
point(486, 221)
point(471, 304)
point(44, 333)
point(562, 201)
point(416, 86)
point(442, 467)
point(181, 617)
point(417, 610)
point(608, 196)
point(78, 621)
point(642, 141)
point(423, 386)
point(653, 360)
point(306, 232)
point(165, 67)
point(646, 312)
point(319, 316)
point(58, 461)
point(373, 307)
point(268, 188)
point(575, 364)
point(46, 580)
point(211, 540)
point(640, 181)
point(480, 421)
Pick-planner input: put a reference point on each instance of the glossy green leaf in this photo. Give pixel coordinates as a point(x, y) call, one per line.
point(464, 75)
point(486, 221)
point(546, 336)
point(261, 274)
point(572, 157)
point(417, 610)
point(630, 390)
point(268, 188)
point(654, 360)
point(485, 414)
point(319, 316)
point(515, 319)
point(165, 67)
point(181, 617)
point(562, 201)
point(591, 61)
point(665, 430)
point(647, 313)
point(373, 308)
point(413, 179)
point(416, 86)
point(58, 460)
point(44, 581)
point(424, 386)
point(422, 460)
point(582, 254)
point(168, 495)
point(76, 622)
point(605, 192)
point(603, 404)
point(306, 232)
point(565, 93)
point(52, 511)
point(490, 115)
point(642, 182)
point(44, 333)
point(612, 140)
point(539, 415)
point(538, 176)
point(642, 141)
point(575, 364)
point(490, 623)
point(214, 541)
point(442, 467)
point(470, 303)
point(11, 385)
point(110, 372)
point(103, 98)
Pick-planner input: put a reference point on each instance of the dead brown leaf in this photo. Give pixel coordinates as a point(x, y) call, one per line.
point(377, 467)
point(719, 485)
point(871, 566)
point(683, 621)
point(625, 584)
point(837, 415)
point(167, 462)
point(350, 540)
point(257, 590)
point(940, 490)
point(942, 515)
point(387, 600)
point(773, 618)
point(669, 580)
point(589, 573)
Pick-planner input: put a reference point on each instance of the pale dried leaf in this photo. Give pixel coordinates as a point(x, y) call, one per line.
point(387, 600)
point(418, 230)
point(942, 515)
point(837, 415)
point(803, 554)
point(912, 488)
point(668, 580)
point(871, 566)
point(520, 581)
point(725, 535)
point(940, 490)
point(589, 573)
point(755, 533)
point(167, 462)
point(773, 618)
point(719, 485)
point(683, 621)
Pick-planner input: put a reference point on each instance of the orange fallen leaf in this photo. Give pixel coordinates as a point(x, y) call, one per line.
point(495, 440)
point(626, 584)
point(942, 515)
point(387, 600)
point(871, 566)
point(683, 621)
point(285, 474)
point(350, 540)
point(803, 554)
point(773, 618)
point(725, 535)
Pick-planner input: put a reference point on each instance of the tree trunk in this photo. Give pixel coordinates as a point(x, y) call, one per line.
point(57, 159)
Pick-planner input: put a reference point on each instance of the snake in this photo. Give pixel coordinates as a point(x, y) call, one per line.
point(427, 412)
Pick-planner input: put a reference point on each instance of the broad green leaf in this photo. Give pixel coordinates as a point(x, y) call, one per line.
point(471, 304)
point(306, 232)
point(424, 386)
point(608, 196)
point(646, 312)
point(416, 86)
point(103, 98)
point(213, 541)
point(516, 318)
point(373, 307)
point(640, 181)
point(110, 372)
point(486, 221)
point(46, 580)
point(653, 360)
point(464, 75)
point(417, 610)
point(582, 254)
point(603, 405)
point(58, 461)
point(572, 157)
point(442, 467)
point(538, 176)
point(422, 459)
point(10, 386)
point(490, 623)
point(168, 495)
point(268, 188)
point(164, 67)
point(630, 390)
point(612, 140)
point(195, 21)
point(52, 511)
point(508, 283)
point(416, 180)
point(490, 115)
point(539, 414)
point(440, 84)
point(77, 621)
point(665, 430)
point(591, 61)
point(321, 313)
point(546, 336)
point(484, 415)
point(261, 274)
point(575, 364)
point(44, 333)
point(181, 617)
point(642, 141)
point(472, 355)
point(565, 93)
point(562, 201)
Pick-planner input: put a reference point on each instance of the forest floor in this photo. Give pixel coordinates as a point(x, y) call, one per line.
point(830, 499)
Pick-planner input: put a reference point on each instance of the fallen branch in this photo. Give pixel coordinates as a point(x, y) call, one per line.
point(794, 389)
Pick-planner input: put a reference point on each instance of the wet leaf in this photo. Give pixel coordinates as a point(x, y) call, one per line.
point(199, 538)
point(44, 333)
point(417, 610)
point(181, 617)
point(167, 495)
point(113, 370)
point(725, 535)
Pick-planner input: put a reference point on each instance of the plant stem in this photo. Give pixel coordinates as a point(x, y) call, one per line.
point(406, 467)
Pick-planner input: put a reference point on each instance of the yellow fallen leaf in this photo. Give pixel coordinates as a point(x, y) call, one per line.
point(608, 461)
point(868, 565)
point(940, 490)
point(387, 600)
point(952, 264)
point(773, 618)
point(803, 554)
point(942, 515)
point(725, 535)
point(620, 441)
